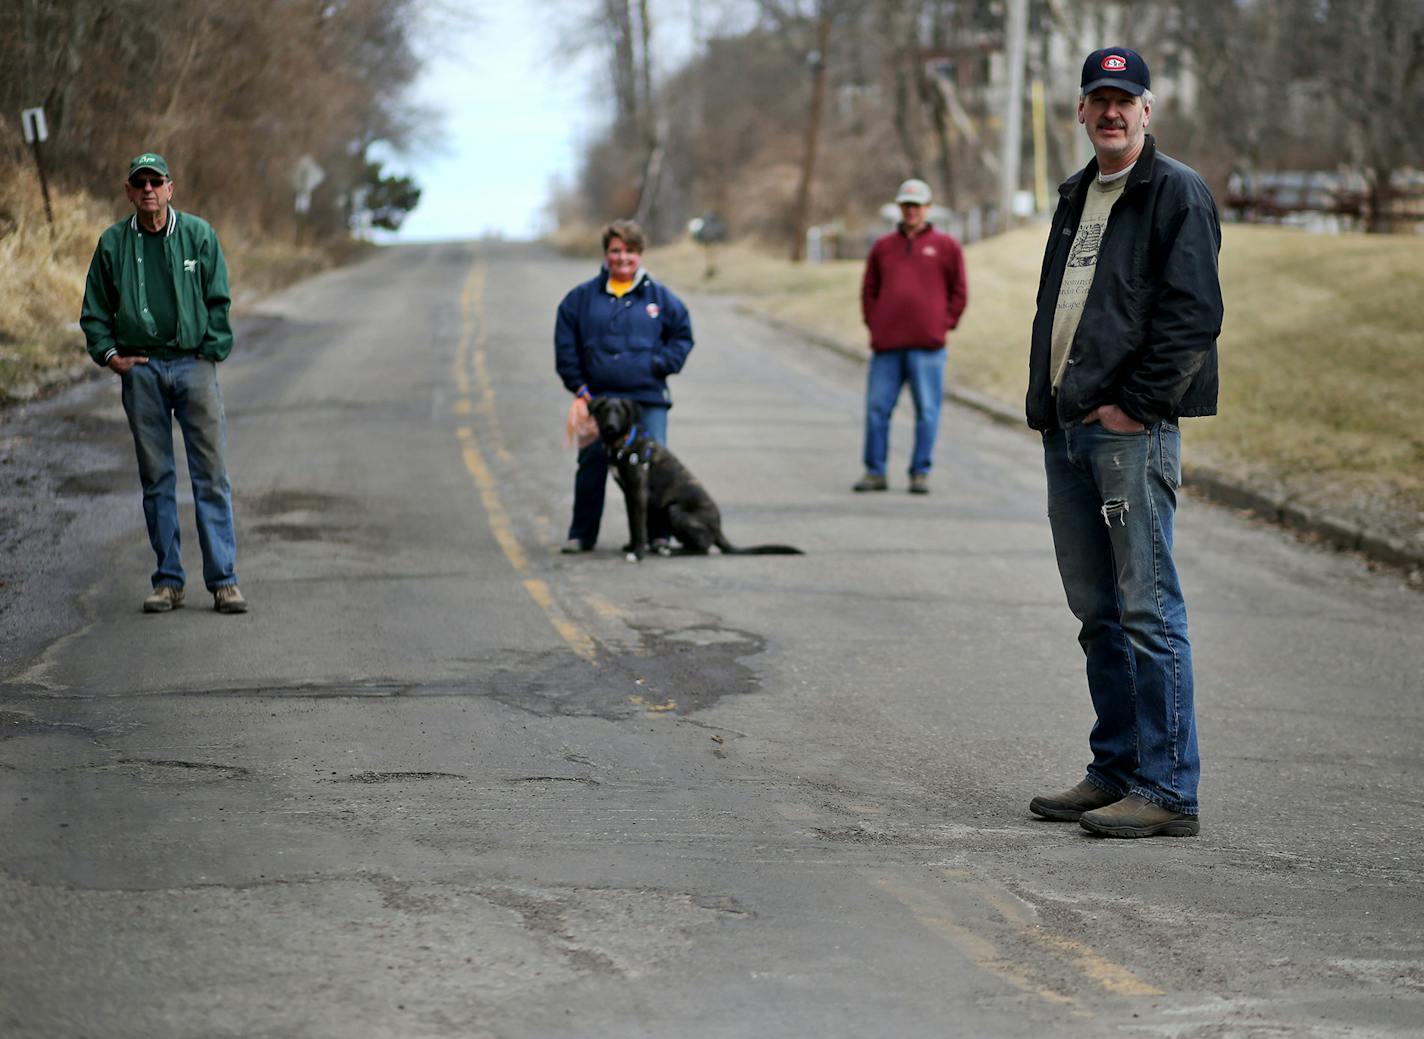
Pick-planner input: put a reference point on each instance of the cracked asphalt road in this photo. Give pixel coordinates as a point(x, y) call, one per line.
point(443, 781)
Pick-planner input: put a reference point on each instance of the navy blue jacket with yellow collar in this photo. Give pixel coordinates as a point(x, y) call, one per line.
point(621, 346)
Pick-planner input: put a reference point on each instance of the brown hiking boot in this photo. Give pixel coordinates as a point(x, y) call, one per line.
point(228, 599)
point(1070, 804)
point(919, 483)
point(1136, 816)
point(163, 598)
point(871, 482)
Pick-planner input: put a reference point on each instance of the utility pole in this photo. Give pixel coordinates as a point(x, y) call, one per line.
point(817, 61)
point(1016, 13)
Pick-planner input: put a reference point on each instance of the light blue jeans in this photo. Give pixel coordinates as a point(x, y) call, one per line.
point(1112, 498)
point(154, 395)
point(889, 370)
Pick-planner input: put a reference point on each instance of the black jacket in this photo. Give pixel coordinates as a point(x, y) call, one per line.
point(1147, 338)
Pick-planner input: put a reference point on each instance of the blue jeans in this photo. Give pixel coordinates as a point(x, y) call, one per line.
point(154, 395)
point(889, 370)
point(1112, 498)
point(591, 480)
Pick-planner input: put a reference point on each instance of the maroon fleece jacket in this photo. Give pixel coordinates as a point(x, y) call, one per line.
point(914, 290)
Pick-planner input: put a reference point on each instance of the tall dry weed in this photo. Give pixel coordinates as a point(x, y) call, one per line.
point(42, 289)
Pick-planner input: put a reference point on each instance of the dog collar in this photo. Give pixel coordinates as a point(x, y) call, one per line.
point(630, 446)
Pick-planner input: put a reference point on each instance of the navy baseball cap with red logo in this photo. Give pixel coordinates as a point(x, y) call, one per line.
point(1116, 67)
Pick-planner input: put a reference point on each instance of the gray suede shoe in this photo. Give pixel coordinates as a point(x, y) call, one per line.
point(870, 482)
point(1069, 805)
point(1136, 816)
point(228, 599)
point(164, 598)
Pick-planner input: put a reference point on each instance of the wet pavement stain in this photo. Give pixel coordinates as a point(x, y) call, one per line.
point(14, 720)
point(111, 481)
point(293, 532)
point(277, 503)
point(673, 672)
point(21, 723)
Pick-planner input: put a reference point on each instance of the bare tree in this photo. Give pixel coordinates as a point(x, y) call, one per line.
point(808, 29)
point(1377, 68)
point(231, 93)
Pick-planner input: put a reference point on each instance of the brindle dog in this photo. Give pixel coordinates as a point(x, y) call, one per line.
point(655, 482)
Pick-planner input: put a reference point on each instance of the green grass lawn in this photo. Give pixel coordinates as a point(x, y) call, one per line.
point(1322, 352)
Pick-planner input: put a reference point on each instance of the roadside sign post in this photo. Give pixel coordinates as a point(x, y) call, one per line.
point(709, 229)
point(306, 178)
point(36, 132)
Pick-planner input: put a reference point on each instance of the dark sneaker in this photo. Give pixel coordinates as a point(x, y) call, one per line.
point(661, 547)
point(228, 599)
point(573, 546)
point(1136, 816)
point(1069, 805)
point(164, 598)
point(919, 483)
point(871, 482)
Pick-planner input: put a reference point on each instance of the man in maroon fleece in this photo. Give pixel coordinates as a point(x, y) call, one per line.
point(912, 294)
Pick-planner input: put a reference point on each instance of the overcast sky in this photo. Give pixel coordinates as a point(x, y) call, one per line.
point(514, 114)
point(517, 109)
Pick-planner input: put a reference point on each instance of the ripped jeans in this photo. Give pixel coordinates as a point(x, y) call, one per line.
point(1111, 502)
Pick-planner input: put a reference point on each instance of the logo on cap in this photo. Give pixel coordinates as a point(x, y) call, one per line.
point(1114, 63)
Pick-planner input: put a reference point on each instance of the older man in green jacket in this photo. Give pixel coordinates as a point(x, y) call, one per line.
point(156, 314)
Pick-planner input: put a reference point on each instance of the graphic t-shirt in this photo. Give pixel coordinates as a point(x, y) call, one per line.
point(1082, 265)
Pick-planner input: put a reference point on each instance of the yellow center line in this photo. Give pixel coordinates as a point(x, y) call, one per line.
point(1111, 977)
point(499, 523)
point(470, 355)
point(938, 916)
point(474, 356)
point(579, 640)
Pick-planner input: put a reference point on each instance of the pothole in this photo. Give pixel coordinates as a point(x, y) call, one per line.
point(554, 779)
point(175, 771)
point(399, 777)
point(673, 672)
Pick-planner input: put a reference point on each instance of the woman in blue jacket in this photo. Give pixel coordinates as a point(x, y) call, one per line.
point(620, 334)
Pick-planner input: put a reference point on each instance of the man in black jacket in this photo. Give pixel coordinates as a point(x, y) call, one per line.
point(1123, 345)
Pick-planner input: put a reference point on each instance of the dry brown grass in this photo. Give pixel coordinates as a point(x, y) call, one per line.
point(1322, 355)
point(44, 280)
point(43, 286)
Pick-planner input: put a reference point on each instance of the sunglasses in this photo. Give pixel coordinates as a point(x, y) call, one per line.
point(148, 182)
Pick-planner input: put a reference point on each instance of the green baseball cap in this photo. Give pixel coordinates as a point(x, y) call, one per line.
point(149, 161)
